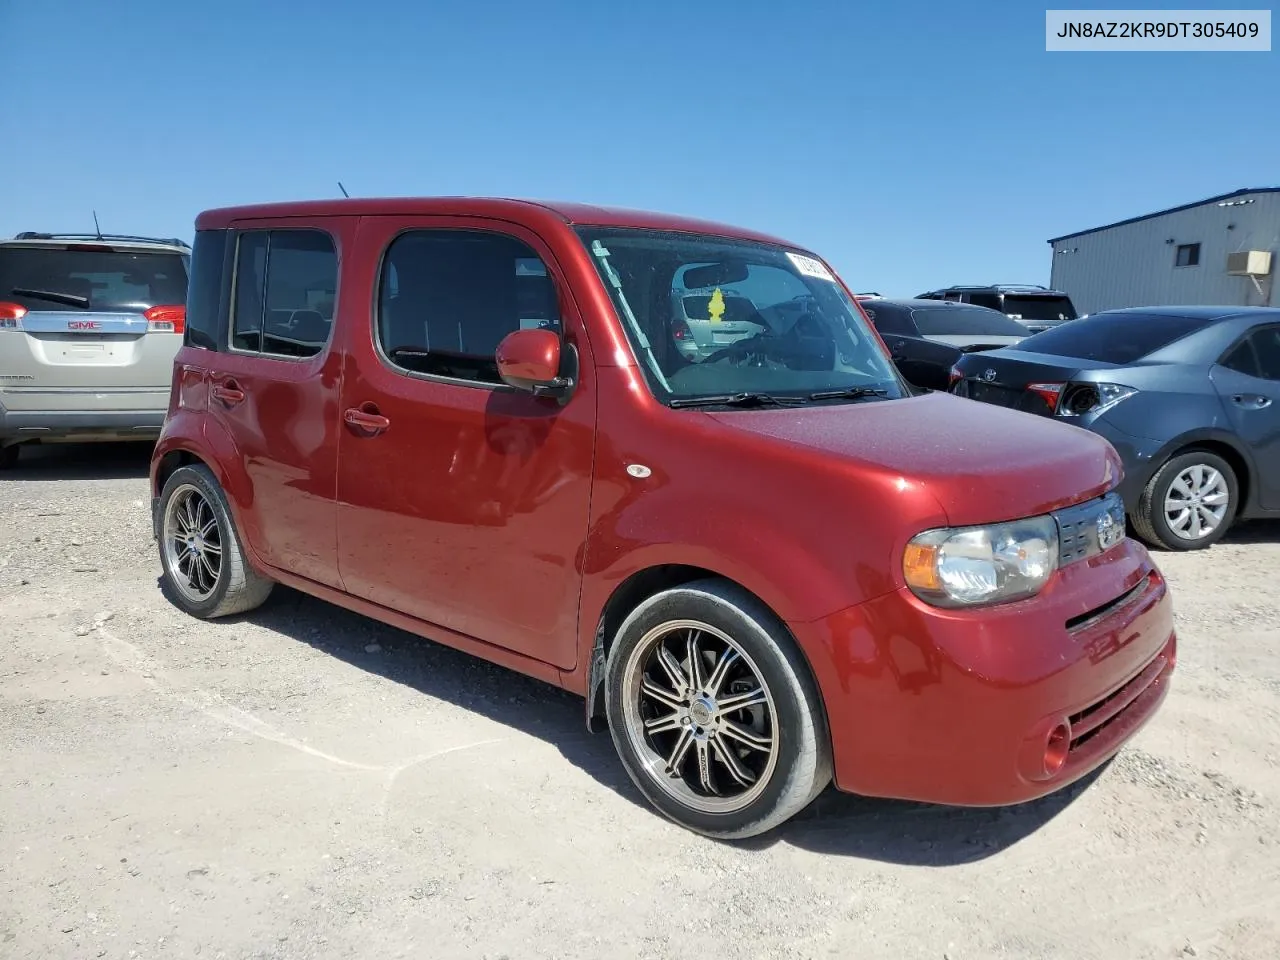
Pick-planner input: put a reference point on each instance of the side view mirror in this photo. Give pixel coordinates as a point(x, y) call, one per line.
point(529, 360)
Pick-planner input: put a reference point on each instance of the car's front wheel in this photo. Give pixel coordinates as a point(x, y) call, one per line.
point(714, 713)
point(205, 568)
point(1189, 503)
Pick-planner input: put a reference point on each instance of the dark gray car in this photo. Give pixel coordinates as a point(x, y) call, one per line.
point(1188, 396)
point(927, 337)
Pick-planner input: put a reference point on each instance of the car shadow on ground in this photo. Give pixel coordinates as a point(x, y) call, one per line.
point(81, 461)
point(1254, 531)
point(883, 830)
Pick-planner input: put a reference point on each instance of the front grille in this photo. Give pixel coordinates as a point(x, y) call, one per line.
point(1090, 617)
point(1094, 719)
point(1081, 528)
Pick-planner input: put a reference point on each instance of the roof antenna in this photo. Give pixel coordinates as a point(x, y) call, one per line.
point(97, 228)
point(344, 190)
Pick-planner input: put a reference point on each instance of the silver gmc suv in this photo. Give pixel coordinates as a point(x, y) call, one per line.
point(89, 326)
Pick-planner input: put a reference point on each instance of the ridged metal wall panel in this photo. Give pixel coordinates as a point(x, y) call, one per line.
point(1133, 265)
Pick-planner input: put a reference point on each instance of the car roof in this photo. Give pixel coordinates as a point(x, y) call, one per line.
point(63, 241)
point(1026, 289)
point(1206, 313)
point(915, 303)
point(576, 214)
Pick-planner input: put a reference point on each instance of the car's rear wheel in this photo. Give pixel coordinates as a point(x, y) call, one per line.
point(205, 568)
point(714, 713)
point(1189, 503)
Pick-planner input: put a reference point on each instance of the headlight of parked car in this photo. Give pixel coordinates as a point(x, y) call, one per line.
point(972, 566)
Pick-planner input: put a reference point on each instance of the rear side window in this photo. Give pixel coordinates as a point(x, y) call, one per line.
point(91, 278)
point(285, 290)
point(964, 321)
point(447, 298)
point(1119, 338)
point(888, 318)
point(1258, 355)
point(1266, 343)
point(204, 296)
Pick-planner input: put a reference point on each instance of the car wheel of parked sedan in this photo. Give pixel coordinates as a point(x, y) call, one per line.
point(1190, 502)
point(714, 712)
point(204, 564)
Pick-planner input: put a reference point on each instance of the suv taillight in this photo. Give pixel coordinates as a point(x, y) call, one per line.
point(11, 315)
point(166, 319)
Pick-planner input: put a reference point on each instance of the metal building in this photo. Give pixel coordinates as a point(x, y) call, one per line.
point(1219, 251)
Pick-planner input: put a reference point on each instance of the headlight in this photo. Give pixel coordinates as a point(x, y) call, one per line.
point(971, 566)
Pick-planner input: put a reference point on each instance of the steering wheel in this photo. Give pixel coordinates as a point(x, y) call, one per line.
point(755, 348)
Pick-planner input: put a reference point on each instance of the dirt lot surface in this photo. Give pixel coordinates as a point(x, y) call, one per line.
point(305, 783)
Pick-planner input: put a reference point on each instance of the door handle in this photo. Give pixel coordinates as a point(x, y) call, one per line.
point(228, 392)
point(366, 418)
point(1251, 401)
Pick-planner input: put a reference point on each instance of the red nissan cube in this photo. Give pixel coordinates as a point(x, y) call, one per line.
point(667, 465)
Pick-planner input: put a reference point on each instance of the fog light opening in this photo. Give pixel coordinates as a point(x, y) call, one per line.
point(1056, 748)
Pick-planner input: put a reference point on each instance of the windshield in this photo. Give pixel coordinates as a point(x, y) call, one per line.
point(1039, 308)
point(712, 317)
point(54, 278)
point(1117, 338)
point(965, 321)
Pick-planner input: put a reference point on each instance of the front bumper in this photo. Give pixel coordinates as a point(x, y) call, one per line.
point(957, 707)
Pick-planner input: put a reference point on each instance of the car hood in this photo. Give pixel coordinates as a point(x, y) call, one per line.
point(982, 463)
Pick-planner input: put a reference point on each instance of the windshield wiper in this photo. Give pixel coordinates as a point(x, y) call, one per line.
point(68, 299)
point(850, 393)
point(739, 400)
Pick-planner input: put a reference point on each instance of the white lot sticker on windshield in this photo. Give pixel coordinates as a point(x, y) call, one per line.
point(811, 267)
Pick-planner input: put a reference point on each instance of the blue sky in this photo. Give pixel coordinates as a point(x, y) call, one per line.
point(912, 145)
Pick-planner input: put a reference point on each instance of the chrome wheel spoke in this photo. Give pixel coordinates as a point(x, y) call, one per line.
point(716, 680)
point(664, 724)
point(666, 697)
point(696, 676)
point(679, 751)
point(748, 738)
point(752, 698)
point(730, 759)
point(210, 573)
point(675, 673)
point(706, 775)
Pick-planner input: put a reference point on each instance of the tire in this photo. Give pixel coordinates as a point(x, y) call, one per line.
point(9, 456)
point(197, 588)
point(788, 762)
point(1152, 520)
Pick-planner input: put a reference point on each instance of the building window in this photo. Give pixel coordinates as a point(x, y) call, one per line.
point(1188, 255)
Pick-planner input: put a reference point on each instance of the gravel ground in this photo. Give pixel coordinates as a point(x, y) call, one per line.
point(305, 783)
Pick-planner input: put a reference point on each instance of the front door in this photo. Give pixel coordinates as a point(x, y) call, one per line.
point(460, 501)
point(1248, 381)
point(274, 389)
